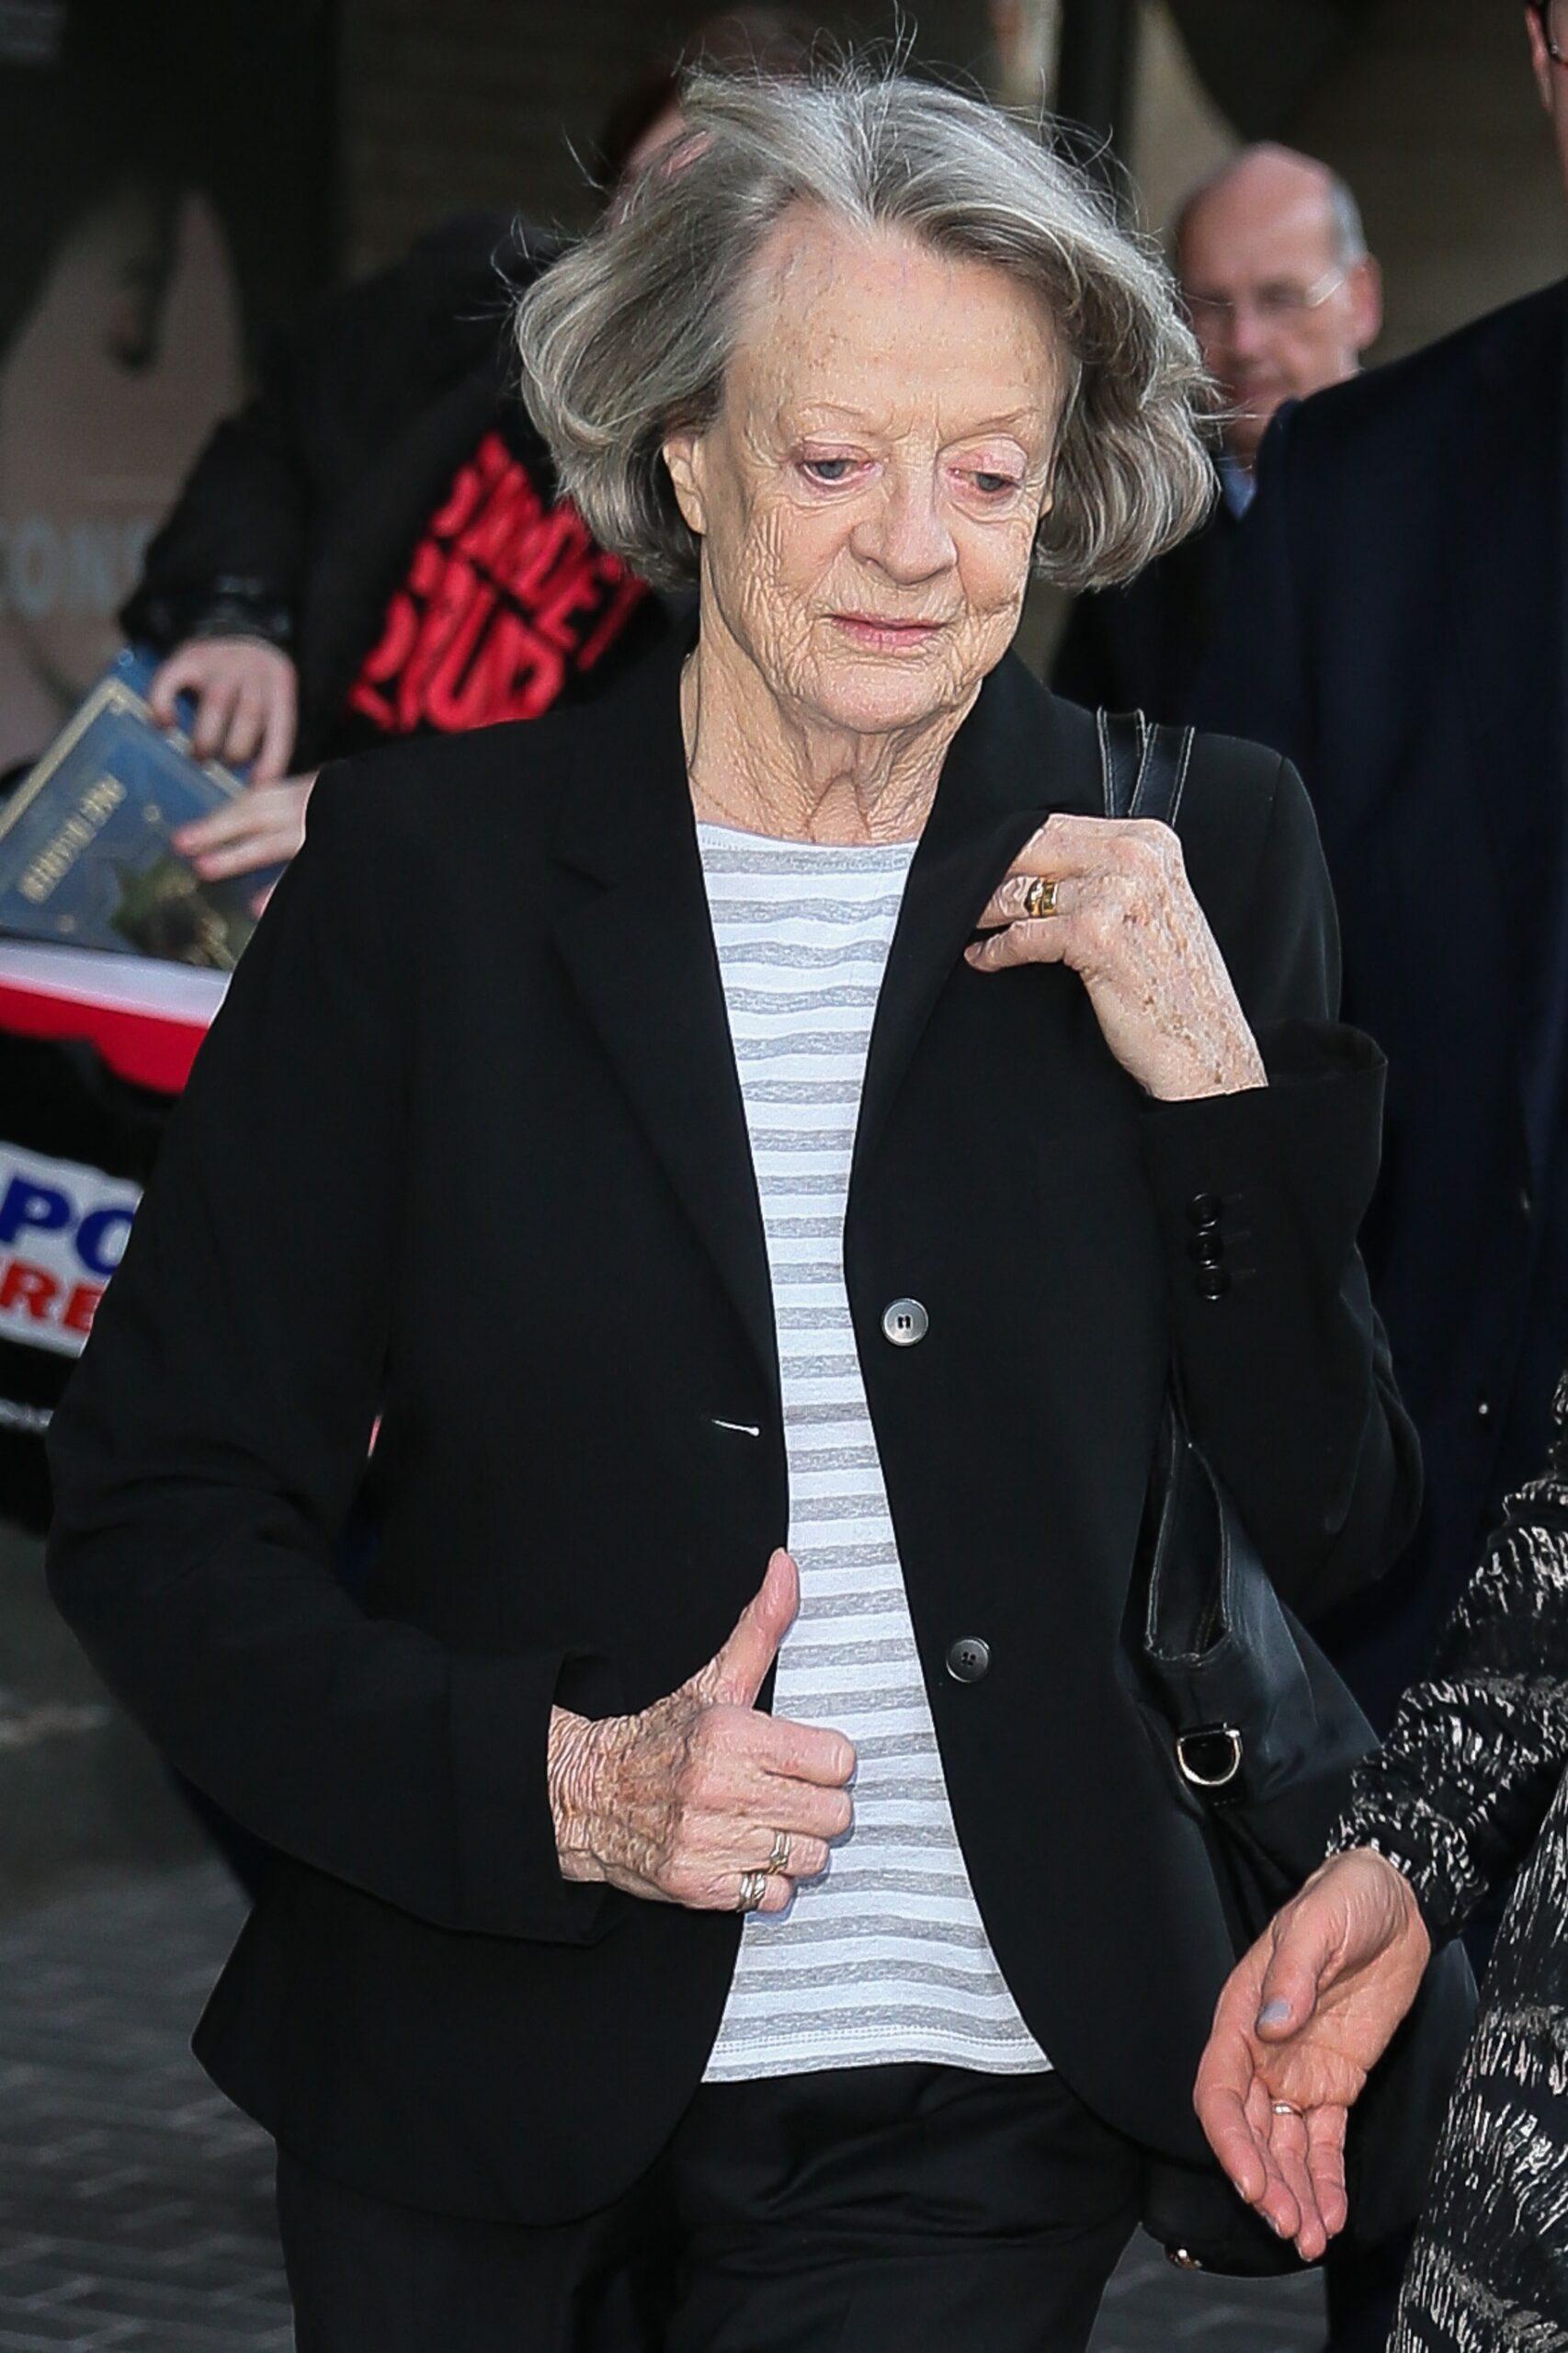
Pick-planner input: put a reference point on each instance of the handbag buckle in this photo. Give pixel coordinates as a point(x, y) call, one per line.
point(1209, 1757)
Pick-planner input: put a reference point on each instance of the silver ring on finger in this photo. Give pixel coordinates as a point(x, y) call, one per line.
point(753, 1887)
point(1039, 899)
point(1289, 2107)
point(779, 1859)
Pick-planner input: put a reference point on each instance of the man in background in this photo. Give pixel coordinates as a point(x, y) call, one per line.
point(1398, 626)
point(1284, 299)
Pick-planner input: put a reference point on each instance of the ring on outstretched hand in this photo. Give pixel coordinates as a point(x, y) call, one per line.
point(1289, 2107)
point(1039, 899)
point(779, 1859)
point(753, 1887)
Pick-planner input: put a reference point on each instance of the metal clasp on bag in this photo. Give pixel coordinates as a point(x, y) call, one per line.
point(1183, 2258)
point(1211, 1756)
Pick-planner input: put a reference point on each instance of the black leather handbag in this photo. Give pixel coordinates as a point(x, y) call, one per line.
point(1259, 1737)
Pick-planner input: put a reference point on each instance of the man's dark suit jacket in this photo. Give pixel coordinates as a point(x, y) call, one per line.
point(1143, 646)
point(466, 1147)
point(1397, 629)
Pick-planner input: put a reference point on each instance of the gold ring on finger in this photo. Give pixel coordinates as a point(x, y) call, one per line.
point(1039, 899)
point(753, 1887)
point(779, 1859)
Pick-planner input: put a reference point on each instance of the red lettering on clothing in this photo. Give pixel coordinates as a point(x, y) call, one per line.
point(505, 600)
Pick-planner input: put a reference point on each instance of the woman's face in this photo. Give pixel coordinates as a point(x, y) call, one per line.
point(868, 493)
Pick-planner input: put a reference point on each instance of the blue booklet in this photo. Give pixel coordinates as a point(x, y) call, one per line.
point(86, 855)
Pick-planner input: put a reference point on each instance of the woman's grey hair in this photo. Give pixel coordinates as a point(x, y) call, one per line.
point(625, 339)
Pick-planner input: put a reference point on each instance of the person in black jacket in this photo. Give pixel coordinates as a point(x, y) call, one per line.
point(1398, 630)
point(1284, 299)
point(772, 1104)
point(376, 544)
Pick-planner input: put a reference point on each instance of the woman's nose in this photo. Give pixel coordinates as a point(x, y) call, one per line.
point(907, 535)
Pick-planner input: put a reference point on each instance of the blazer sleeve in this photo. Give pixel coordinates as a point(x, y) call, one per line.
point(1260, 1196)
point(1457, 1795)
point(216, 1427)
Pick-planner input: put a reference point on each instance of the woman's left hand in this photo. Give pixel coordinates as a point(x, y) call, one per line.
point(1125, 920)
point(1303, 2020)
point(262, 825)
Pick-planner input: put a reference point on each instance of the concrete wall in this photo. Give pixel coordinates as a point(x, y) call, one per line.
point(483, 102)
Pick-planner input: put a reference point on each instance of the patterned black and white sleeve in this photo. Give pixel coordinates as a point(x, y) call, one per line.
point(1459, 1790)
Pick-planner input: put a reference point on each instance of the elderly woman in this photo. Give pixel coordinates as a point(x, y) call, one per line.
point(772, 1105)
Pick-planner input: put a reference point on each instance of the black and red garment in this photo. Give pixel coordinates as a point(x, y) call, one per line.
point(384, 511)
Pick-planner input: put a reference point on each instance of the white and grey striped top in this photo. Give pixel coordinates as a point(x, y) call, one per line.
point(885, 1958)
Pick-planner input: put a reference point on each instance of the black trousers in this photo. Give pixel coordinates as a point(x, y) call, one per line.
point(861, 2210)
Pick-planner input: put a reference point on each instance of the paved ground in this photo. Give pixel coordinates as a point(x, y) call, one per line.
point(134, 2203)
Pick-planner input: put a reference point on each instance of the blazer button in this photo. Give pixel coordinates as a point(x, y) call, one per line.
point(1205, 1212)
point(969, 1659)
point(1206, 1249)
point(904, 1321)
point(1213, 1282)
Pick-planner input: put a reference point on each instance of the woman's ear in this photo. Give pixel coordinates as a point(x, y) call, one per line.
point(683, 459)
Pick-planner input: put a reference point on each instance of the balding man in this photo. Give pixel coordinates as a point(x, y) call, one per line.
point(1284, 298)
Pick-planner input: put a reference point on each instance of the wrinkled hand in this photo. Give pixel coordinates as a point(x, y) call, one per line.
point(677, 1803)
point(246, 695)
point(262, 825)
point(1128, 923)
point(1303, 2018)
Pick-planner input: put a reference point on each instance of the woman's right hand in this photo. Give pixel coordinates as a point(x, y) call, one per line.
point(1303, 2018)
point(246, 694)
point(679, 1802)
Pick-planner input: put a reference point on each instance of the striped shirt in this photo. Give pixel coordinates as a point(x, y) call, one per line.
point(885, 1958)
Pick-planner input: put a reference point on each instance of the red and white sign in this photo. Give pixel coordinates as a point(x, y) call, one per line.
point(63, 1233)
point(145, 1017)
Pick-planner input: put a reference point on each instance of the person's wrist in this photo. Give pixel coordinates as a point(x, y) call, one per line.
point(1395, 1880)
point(573, 1771)
point(1395, 1889)
point(1235, 1070)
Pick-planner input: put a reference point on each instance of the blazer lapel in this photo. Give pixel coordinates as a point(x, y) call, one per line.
point(640, 953)
point(1019, 757)
point(639, 947)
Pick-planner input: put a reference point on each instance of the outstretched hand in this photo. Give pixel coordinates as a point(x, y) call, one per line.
point(1303, 2018)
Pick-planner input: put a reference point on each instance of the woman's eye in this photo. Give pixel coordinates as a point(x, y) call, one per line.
point(993, 485)
point(824, 468)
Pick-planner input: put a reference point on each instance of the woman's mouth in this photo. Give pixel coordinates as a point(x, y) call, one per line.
point(882, 636)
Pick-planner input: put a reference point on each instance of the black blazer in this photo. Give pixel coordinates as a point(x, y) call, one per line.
point(1397, 629)
point(1142, 647)
point(466, 1147)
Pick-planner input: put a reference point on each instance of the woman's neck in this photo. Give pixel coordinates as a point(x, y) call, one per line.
point(755, 764)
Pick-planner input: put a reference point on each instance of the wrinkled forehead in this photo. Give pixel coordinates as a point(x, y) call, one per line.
point(1242, 235)
point(835, 317)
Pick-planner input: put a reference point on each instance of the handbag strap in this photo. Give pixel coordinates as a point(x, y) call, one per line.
point(1143, 769)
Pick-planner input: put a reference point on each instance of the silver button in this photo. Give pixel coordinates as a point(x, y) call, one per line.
point(969, 1659)
point(904, 1322)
